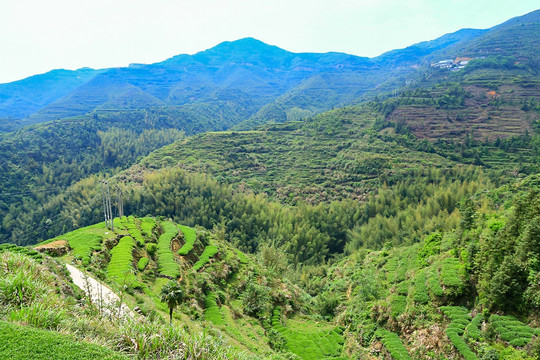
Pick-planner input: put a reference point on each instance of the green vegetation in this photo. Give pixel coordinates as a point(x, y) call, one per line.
point(307, 339)
point(83, 243)
point(190, 235)
point(132, 227)
point(512, 330)
point(209, 252)
point(120, 268)
point(166, 263)
point(172, 295)
point(421, 295)
point(472, 331)
point(371, 231)
point(142, 263)
point(212, 311)
point(147, 227)
point(393, 344)
point(21, 250)
point(23, 342)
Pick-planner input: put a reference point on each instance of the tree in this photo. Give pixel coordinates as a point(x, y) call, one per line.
point(172, 295)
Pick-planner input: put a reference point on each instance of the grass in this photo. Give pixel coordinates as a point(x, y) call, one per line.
point(166, 264)
point(22, 343)
point(393, 344)
point(120, 267)
point(208, 253)
point(190, 235)
point(512, 330)
point(21, 250)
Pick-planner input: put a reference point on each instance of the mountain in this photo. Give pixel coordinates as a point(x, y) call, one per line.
point(22, 98)
point(268, 83)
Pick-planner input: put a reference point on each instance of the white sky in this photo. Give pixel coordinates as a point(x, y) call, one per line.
point(39, 35)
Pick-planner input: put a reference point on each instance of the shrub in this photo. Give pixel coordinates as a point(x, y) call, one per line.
point(256, 299)
point(393, 344)
point(398, 304)
point(460, 345)
point(512, 330)
point(143, 262)
point(21, 250)
point(450, 278)
point(133, 229)
point(473, 329)
point(431, 246)
point(82, 244)
point(166, 263)
point(120, 267)
point(420, 294)
point(433, 281)
point(212, 312)
point(147, 227)
point(151, 249)
point(208, 253)
point(190, 235)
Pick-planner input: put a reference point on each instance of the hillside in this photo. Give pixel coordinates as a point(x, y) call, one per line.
point(224, 289)
point(466, 292)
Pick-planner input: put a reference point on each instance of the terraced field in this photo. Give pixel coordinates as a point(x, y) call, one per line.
point(308, 339)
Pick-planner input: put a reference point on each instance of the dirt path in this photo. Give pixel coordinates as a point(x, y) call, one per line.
point(100, 295)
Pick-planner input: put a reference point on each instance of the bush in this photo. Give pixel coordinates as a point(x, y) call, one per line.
point(208, 253)
point(143, 262)
point(256, 299)
point(420, 294)
point(190, 235)
point(473, 329)
point(151, 249)
point(212, 312)
point(512, 330)
point(166, 263)
point(393, 344)
point(120, 267)
point(82, 244)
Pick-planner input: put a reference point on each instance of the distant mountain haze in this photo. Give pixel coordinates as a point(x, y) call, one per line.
point(252, 81)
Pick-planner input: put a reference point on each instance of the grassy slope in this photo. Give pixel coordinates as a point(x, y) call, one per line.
point(22, 342)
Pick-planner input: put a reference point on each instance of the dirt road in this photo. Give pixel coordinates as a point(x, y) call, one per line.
point(100, 295)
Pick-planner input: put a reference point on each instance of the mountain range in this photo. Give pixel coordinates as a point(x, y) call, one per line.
point(253, 81)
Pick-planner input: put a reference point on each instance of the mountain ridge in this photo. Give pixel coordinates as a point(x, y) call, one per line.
point(267, 75)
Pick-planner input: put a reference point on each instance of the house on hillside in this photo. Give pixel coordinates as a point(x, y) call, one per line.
point(443, 64)
point(462, 61)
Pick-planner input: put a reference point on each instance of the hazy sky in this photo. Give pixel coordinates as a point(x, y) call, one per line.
point(40, 35)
